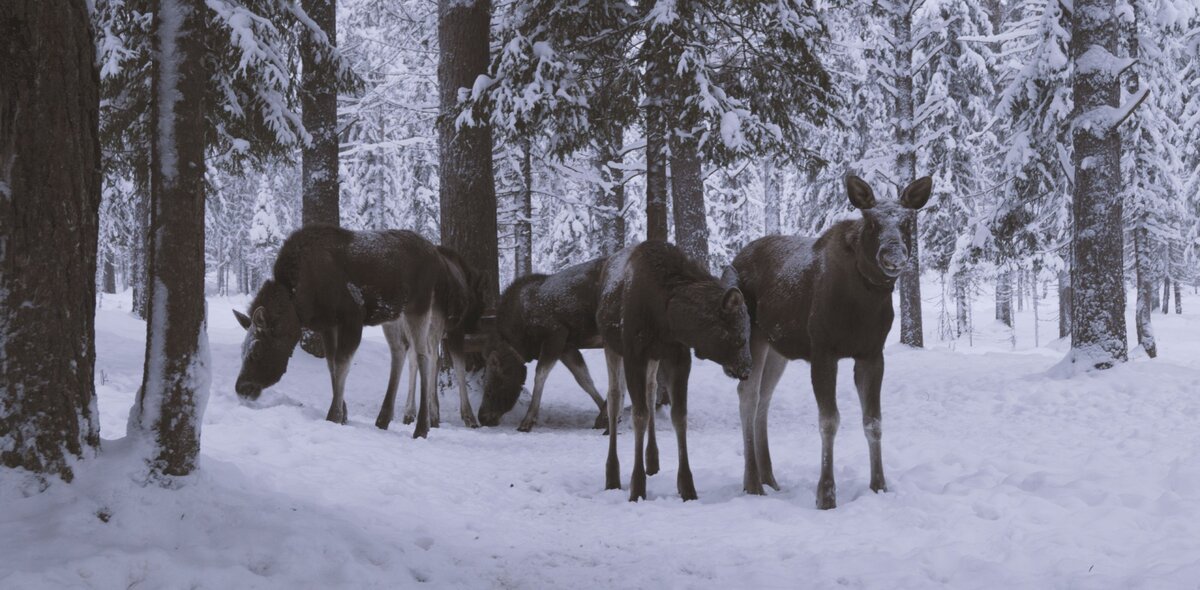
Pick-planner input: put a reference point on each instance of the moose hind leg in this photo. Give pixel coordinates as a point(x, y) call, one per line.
point(677, 374)
point(574, 363)
point(636, 374)
point(337, 377)
point(772, 371)
point(868, 377)
point(394, 334)
point(410, 404)
point(652, 378)
point(417, 327)
point(747, 403)
point(544, 365)
point(464, 400)
point(824, 381)
point(616, 400)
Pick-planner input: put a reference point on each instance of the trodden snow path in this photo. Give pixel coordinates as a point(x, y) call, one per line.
point(1001, 474)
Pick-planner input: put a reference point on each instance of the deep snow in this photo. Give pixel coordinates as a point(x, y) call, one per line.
point(1001, 474)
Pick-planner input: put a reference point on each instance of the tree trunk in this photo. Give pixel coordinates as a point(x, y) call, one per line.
point(49, 217)
point(1097, 267)
point(911, 332)
point(1166, 295)
point(1178, 300)
point(524, 230)
point(319, 157)
point(467, 187)
point(1064, 303)
point(962, 303)
point(656, 140)
point(1146, 288)
point(141, 241)
point(110, 274)
point(687, 193)
point(1021, 284)
point(171, 402)
point(610, 198)
point(770, 197)
point(1004, 297)
point(1033, 302)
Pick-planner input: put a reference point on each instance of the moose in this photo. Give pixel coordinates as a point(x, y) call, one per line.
point(822, 300)
point(655, 306)
point(548, 318)
point(334, 281)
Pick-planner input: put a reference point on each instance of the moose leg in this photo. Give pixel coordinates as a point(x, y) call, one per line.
point(868, 376)
point(639, 375)
point(545, 363)
point(747, 408)
point(616, 400)
point(337, 377)
point(652, 381)
point(433, 347)
point(459, 358)
point(824, 382)
point(678, 369)
point(410, 404)
point(574, 362)
point(418, 335)
point(393, 331)
point(772, 371)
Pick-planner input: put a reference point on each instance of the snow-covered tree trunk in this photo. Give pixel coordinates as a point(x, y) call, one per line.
point(656, 135)
point(962, 303)
point(1147, 286)
point(1178, 300)
point(771, 197)
point(911, 330)
point(318, 100)
point(49, 206)
point(523, 228)
point(141, 239)
point(1166, 295)
point(1004, 297)
point(174, 393)
point(467, 186)
point(1033, 302)
point(687, 194)
point(1097, 268)
point(610, 195)
point(1021, 286)
point(1064, 303)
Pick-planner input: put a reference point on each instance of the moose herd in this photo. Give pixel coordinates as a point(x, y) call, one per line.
point(648, 306)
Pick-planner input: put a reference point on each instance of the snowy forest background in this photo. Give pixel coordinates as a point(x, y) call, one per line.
point(978, 94)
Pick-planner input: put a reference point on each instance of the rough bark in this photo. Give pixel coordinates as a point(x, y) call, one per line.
point(1097, 267)
point(171, 402)
point(141, 241)
point(318, 103)
point(687, 194)
point(911, 331)
point(1166, 295)
point(49, 209)
point(1147, 284)
point(1178, 300)
point(1004, 312)
point(523, 228)
point(110, 275)
point(962, 303)
point(770, 197)
point(1021, 286)
point(656, 139)
point(467, 188)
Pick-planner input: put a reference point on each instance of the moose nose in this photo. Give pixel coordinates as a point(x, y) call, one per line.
point(892, 260)
point(248, 391)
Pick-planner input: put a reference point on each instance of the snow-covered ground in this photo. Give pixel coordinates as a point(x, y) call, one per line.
point(1002, 474)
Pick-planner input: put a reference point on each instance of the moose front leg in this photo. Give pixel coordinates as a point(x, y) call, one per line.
point(868, 376)
point(678, 367)
point(824, 382)
point(638, 376)
point(545, 363)
point(574, 362)
point(616, 400)
point(459, 358)
point(393, 331)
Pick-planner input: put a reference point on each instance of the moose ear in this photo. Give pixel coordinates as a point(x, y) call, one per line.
point(729, 277)
point(860, 193)
point(242, 319)
point(916, 194)
point(259, 318)
point(733, 300)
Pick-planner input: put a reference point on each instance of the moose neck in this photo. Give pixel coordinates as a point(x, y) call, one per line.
point(868, 269)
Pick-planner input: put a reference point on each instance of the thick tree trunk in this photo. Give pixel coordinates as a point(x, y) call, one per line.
point(1064, 303)
point(610, 199)
point(110, 275)
point(687, 193)
point(1166, 295)
point(467, 187)
point(911, 332)
point(141, 241)
point(49, 210)
point(319, 158)
point(770, 197)
point(174, 393)
point(524, 226)
point(1146, 288)
point(1097, 268)
point(1004, 298)
point(656, 135)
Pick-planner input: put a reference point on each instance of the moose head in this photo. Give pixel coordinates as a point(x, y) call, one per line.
point(272, 332)
point(504, 376)
point(882, 247)
point(713, 320)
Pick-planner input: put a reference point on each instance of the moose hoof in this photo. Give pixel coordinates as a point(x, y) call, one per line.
point(687, 488)
point(612, 476)
point(651, 461)
point(879, 486)
point(526, 425)
point(769, 480)
point(754, 489)
point(469, 420)
point(336, 416)
point(637, 487)
point(826, 496)
point(383, 423)
point(409, 418)
point(601, 421)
